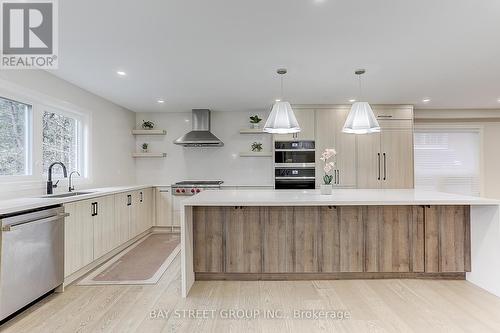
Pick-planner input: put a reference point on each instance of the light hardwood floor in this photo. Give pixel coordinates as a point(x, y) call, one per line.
point(374, 306)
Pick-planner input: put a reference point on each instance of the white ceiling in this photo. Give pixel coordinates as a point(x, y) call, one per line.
point(222, 54)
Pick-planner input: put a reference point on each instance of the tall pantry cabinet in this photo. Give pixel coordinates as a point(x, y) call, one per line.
point(385, 159)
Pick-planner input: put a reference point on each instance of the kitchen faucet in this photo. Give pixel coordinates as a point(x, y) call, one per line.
point(71, 186)
point(51, 186)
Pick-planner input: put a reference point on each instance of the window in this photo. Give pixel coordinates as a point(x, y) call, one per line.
point(62, 142)
point(448, 160)
point(15, 131)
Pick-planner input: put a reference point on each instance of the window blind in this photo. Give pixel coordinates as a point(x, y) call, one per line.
point(448, 160)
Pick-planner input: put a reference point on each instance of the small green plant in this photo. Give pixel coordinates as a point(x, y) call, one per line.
point(255, 119)
point(257, 146)
point(147, 124)
point(145, 146)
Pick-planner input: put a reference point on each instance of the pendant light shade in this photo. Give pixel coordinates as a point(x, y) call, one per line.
point(361, 119)
point(281, 120)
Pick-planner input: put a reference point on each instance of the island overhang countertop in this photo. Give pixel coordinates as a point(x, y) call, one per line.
point(339, 197)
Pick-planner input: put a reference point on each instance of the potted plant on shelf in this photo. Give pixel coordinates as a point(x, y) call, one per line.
point(148, 125)
point(257, 146)
point(254, 122)
point(144, 147)
point(328, 167)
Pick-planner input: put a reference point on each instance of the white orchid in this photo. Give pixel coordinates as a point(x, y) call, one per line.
point(328, 166)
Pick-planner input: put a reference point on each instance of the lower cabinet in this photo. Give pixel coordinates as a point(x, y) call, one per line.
point(78, 236)
point(104, 224)
point(97, 226)
point(243, 240)
point(447, 239)
point(328, 239)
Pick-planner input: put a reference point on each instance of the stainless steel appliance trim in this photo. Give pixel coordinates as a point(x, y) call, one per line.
point(294, 150)
point(13, 227)
point(295, 178)
point(294, 165)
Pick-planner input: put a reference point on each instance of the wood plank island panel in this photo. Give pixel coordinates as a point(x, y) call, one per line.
point(286, 241)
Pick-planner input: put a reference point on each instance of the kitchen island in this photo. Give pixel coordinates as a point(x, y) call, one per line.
point(354, 233)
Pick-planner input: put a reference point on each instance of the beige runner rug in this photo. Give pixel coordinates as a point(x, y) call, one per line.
point(142, 263)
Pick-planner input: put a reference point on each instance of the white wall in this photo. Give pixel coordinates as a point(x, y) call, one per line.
point(110, 139)
point(204, 163)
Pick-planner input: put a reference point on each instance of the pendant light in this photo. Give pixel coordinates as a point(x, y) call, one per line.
point(281, 120)
point(361, 119)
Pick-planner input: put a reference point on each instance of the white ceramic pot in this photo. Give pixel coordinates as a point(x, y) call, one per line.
point(326, 189)
point(254, 126)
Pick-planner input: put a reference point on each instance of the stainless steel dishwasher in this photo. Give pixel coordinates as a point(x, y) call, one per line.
point(32, 257)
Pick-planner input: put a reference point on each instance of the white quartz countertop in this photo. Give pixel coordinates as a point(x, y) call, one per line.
point(22, 204)
point(340, 197)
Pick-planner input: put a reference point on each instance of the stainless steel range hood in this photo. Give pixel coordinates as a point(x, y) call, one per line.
point(200, 136)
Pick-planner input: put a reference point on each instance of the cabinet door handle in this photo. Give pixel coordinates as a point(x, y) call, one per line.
point(93, 209)
point(96, 208)
point(142, 196)
point(378, 154)
point(338, 177)
point(385, 167)
point(129, 199)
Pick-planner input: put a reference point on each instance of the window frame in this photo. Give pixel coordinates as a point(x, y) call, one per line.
point(39, 103)
point(29, 158)
point(458, 127)
point(80, 137)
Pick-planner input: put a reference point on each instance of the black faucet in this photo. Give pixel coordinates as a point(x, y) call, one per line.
point(51, 186)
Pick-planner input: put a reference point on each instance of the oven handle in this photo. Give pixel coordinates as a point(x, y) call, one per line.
point(297, 178)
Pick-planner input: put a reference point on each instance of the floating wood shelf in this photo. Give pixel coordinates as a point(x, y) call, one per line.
point(256, 154)
point(148, 132)
point(252, 131)
point(139, 155)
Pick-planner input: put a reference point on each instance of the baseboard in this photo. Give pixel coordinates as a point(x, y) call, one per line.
point(327, 276)
point(166, 229)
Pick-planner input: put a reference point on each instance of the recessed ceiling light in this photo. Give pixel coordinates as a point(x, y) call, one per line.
point(277, 100)
point(498, 100)
point(352, 100)
point(160, 101)
point(426, 100)
point(121, 73)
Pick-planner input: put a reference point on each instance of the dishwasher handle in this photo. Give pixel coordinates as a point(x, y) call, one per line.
point(46, 220)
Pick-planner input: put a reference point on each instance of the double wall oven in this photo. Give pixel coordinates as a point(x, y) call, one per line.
point(294, 165)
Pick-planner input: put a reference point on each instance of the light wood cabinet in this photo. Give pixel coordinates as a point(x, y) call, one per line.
point(104, 225)
point(329, 124)
point(377, 241)
point(78, 236)
point(97, 226)
point(447, 239)
point(123, 203)
point(208, 240)
point(141, 211)
point(163, 203)
point(388, 238)
point(306, 120)
point(305, 224)
point(385, 159)
point(278, 232)
point(243, 240)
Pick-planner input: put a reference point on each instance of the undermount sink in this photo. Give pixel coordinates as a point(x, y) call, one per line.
point(65, 195)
